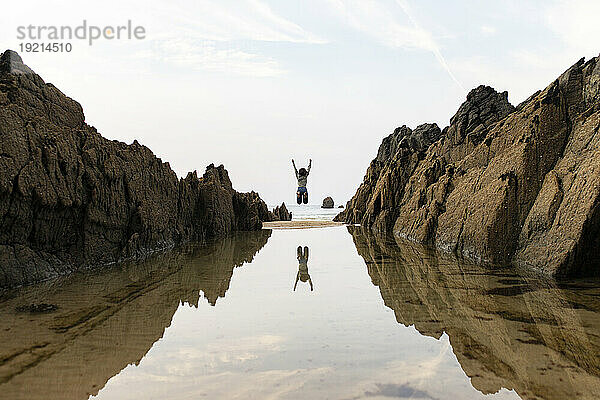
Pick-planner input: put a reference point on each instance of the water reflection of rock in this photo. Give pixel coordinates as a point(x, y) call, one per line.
point(104, 321)
point(507, 330)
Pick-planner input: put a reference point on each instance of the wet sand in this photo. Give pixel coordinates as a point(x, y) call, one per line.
point(304, 224)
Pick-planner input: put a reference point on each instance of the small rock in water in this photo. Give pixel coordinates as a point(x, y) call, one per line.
point(280, 213)
point(327, 202)
point(340, 206)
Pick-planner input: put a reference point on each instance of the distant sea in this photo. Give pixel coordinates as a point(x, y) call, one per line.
point(311, 212)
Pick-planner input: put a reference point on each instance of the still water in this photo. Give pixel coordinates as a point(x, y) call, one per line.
point(238, 320)
point(309, 212)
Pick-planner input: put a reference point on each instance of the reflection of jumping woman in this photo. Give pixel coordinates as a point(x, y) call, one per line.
point(302, 176)
point(303, 267)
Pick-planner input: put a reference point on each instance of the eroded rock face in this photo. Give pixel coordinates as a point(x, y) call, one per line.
point(499, 184)
point(70, 198)
point(280, 213)
point(376, 202)
point(327, 202)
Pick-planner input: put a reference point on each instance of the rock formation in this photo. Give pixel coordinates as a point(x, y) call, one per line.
point(70, 198)
point(507, 329)
point(327, 203)
point(500, 184)
point(280, 213)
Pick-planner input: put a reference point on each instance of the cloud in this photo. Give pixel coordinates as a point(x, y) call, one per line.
point(291, 31)
point(381, 23)
point(378, 21)
point(217, 37)
point(530, 59)
point(208, 56)
point(434, 47)
point(228, 21)
point(211, 35)
point(575, 22)
point(487, 30)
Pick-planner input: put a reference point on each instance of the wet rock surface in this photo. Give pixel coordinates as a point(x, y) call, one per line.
point(500, 184)
point(70, 198)
point(327, 203)
point(280, 213)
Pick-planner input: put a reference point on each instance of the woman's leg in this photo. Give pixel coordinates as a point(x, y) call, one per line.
point(305, 197)
point(298, 197)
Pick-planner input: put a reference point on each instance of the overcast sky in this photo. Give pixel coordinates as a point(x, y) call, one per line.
point(253, 83)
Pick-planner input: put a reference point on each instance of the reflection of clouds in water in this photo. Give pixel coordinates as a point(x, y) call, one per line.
point(398, 391)
point(224, 369)
point(272, 384)
point(238, 350)
point(429, 368)
point(432, 375)
point(244, 349)
point(221, 353)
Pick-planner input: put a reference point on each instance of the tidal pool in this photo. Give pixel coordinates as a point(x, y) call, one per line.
point(237, 319)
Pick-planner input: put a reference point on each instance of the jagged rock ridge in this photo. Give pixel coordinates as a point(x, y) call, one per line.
point(280, 213)
point(500, 184)
point(70, 198)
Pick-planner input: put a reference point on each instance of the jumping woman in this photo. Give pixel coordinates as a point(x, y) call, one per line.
point(302, 176)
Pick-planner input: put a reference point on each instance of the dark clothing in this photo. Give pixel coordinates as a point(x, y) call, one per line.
point(302, 195)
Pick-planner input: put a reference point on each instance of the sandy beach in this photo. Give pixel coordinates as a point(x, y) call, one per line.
point(302, 224)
